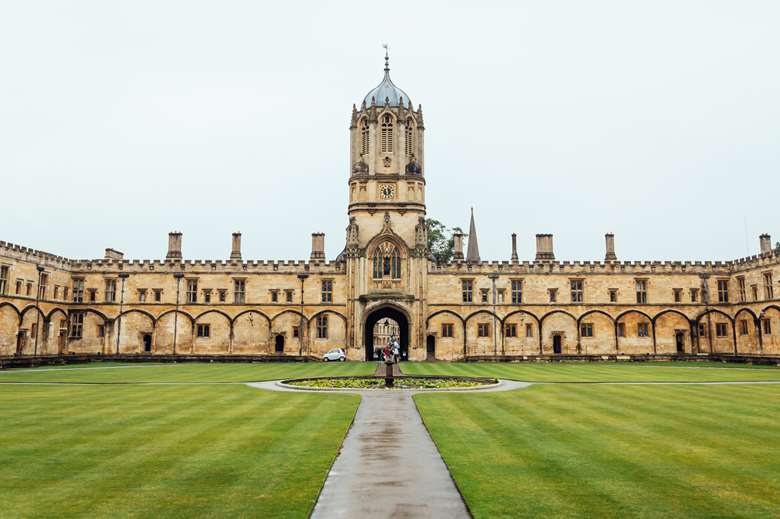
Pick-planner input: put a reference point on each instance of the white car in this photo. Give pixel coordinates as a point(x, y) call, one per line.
point(335, 354)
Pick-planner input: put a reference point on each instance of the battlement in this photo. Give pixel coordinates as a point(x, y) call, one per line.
point(20, 252)
point(202, 266)
point(583, 267)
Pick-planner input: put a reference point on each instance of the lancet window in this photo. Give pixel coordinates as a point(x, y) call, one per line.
point(387, 262)
point(387, 133)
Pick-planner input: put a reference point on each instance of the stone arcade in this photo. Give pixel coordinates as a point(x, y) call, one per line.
point(467, 308)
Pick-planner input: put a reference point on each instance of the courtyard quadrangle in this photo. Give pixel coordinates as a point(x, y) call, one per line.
point(184, 440)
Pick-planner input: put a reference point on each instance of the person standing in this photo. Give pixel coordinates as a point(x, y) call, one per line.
point(396, 350)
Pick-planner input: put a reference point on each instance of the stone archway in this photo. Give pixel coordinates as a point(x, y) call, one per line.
point(386, 312)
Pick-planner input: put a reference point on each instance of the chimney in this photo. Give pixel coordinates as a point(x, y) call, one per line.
point(317, 246)
point(458, 240)
point(515, 259)
point(610, 255)
point(235, 251)
point(544, 247)
point(174, 246)
point(113, 254)
point(766, 243)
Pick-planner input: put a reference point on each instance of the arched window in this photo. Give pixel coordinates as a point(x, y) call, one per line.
point(387, 133)
point(364, 137)
point(387, 262)
point(409, 137)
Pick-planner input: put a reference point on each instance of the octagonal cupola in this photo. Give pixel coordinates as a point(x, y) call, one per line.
point(386, 93)
point(386, 133)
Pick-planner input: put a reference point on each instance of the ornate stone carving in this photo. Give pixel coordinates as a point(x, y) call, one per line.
point(360, 166)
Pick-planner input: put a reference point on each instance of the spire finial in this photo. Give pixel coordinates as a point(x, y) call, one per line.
point(387, 56)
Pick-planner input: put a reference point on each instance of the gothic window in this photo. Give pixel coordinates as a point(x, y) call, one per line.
point(409, 130)
point(387, 133)
point(467, 290)
point(721, 330)
point(76, 325)
point(768, 289)
point(239, 291)
point(641, 291)
point(110, 292)
point(3, 278)
point(204, 330)
point(364, 137)
point(44, 281)
point(326, 291)
point(447, 330)
point(517, 291)
point(576, 290)
point(192, 290)
point(723, 291)
point(322, 327)
point(78, 291)
point(387, 262)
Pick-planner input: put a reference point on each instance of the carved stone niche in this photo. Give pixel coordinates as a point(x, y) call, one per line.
point(413, 167)
point(388, 162)
point(360, 166)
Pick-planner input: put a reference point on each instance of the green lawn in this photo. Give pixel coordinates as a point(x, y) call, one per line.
point(654, 451)
point(168, 451)
point(598, 372)
point(110, 372)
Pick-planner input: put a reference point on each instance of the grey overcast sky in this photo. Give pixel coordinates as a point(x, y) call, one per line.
point(658, 121)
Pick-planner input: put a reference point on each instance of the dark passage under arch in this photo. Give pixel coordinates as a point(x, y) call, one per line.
point(385, 313)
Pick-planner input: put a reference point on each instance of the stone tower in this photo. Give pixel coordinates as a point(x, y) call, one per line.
point(386, 250)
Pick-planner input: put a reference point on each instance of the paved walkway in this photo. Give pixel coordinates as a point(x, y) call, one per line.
point(389, 467)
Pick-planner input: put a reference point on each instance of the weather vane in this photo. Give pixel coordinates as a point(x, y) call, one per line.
point(387, 56)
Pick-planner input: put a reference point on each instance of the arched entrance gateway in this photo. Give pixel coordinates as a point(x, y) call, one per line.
point(379, 315)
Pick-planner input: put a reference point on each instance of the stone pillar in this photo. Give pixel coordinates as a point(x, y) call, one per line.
point(458, 252)
point(317, 246)
point(174, 245)
point(610, 241)
point(544, 247)
point(515, 258)
point(766, 243)
point(235, 251)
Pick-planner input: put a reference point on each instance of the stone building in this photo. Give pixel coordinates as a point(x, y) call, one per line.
point(467, 308)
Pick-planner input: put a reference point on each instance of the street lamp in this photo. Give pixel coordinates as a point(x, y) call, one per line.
point(122, 276)
point(178, 276)
point(38, 311)
point(302, 276)
point(493, 278)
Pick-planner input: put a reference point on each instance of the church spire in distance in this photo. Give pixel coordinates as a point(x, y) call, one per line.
point(472, 255)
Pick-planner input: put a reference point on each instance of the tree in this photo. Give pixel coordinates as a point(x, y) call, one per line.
point(440, 240)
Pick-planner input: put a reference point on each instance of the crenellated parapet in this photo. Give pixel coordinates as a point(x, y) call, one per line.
point(583, 267)
point(210, 266)
point(27, 254)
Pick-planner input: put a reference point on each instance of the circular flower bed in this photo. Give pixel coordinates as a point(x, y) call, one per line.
point(402, 382)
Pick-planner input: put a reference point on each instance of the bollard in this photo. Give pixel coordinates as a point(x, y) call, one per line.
point(389, 373)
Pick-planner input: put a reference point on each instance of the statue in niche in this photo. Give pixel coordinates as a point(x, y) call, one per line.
point(413, 168)
point(360, 166)
point(352, 232)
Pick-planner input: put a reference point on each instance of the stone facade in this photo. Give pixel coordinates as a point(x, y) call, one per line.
point(467, 308)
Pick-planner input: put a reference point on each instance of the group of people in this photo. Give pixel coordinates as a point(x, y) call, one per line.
point(392, 351)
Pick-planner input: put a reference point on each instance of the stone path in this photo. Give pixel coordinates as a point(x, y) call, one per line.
point(389, 466)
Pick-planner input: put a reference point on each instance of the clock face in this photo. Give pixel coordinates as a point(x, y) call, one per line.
point(386, 191)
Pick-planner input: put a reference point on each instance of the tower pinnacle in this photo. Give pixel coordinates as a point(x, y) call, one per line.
point(472, 255)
